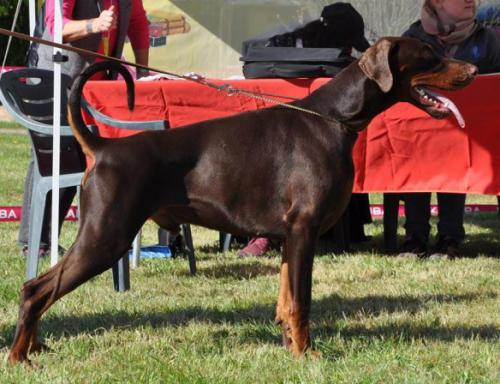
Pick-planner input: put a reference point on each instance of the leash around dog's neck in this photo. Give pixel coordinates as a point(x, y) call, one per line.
point(229, 89)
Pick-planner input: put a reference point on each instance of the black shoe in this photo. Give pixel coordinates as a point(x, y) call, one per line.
point(176, 245)
point(413, 248)
point(445, 248)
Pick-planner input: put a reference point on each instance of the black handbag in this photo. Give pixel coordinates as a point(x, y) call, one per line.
point(291, 62)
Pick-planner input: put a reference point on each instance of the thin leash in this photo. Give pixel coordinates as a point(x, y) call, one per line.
point(229, 89)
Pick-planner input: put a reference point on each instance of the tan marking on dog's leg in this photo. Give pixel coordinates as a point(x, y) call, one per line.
point(283, 306)
point(299, 333)
point(89, 154)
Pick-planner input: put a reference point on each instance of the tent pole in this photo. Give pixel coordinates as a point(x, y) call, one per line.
point(54, 254)
point(32, 16)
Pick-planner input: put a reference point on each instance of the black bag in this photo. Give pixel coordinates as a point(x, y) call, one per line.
point(290, 62)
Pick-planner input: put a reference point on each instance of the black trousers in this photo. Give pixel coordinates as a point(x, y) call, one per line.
point(451, 215)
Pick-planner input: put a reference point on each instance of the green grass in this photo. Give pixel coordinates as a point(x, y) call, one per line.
point(14, 157)
point(11, 126)
point(375, 319)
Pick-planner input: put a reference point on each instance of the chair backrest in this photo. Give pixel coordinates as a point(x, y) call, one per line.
point(28, 94)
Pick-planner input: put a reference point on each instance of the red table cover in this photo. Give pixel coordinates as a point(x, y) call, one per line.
point(403, 148)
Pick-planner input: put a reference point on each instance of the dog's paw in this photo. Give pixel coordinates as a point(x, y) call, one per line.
point(286, 335)
point(17, 358)
point(39, 347)
point(314, 355)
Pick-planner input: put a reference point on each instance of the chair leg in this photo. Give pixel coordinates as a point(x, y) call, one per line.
point(136, 250)
point(121, 274)
point(188, 239)
point(391, 208)
point(35, 231)
point(224, 241)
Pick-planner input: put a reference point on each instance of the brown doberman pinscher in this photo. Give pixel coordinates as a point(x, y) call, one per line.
point(275, 172)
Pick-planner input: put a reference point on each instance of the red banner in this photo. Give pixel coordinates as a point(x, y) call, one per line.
point(377, 210)
point(14, 214)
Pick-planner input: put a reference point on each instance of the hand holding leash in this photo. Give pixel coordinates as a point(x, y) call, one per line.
point(106, 21)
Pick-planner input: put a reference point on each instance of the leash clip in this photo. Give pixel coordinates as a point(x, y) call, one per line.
point(230, 90)
point(195, 76)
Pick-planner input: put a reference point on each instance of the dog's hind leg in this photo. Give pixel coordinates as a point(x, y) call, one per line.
point(294, 300)
point(84, 260)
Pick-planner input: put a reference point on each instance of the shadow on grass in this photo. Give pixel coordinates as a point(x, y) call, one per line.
point(325, 313)
point(209, 248)
point(485, 245)
point(239, 271)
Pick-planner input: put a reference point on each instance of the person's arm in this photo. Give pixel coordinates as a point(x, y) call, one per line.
point(138, 33)
point(77, 29)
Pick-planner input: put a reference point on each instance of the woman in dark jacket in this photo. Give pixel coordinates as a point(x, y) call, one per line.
point(450, 27)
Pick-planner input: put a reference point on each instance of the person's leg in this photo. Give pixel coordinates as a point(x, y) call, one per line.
point(65, 199)
point(66, 196)
point(359, 215)
point(451, 230)
point(451, 215)
point(417, 213)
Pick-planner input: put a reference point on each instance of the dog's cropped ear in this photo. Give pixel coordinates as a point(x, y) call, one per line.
point(375, 64)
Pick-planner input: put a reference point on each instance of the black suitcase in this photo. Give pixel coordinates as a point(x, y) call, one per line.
point(290, 62)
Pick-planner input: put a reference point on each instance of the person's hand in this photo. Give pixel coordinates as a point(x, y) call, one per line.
point(106, 21)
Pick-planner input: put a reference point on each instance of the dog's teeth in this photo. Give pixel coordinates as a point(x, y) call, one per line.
point(420, 91)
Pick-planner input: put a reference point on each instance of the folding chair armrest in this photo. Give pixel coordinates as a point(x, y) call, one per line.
point(149, 125)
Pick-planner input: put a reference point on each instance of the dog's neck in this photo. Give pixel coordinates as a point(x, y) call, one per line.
point(350, 98)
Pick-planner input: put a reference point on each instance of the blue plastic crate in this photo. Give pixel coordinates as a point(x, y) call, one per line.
point(154, 252)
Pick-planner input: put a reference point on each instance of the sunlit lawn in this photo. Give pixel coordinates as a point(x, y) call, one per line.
point(375, 318)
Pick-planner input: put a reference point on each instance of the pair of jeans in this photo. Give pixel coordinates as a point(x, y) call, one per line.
point(451, 216)
point(66, 196)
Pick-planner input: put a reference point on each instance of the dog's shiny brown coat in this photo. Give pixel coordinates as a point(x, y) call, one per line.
point(274, 172)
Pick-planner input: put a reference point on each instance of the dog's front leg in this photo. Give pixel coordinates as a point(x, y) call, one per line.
point(294, 302)
point(283, 307)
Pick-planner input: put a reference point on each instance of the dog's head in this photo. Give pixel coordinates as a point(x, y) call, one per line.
point(409, 69)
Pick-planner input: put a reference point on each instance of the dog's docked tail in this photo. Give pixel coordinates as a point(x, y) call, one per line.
point(87, 140)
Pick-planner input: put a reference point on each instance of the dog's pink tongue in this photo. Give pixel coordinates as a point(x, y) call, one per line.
point(453, 108)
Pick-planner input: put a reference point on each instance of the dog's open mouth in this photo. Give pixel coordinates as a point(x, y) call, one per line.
point(437, 105)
